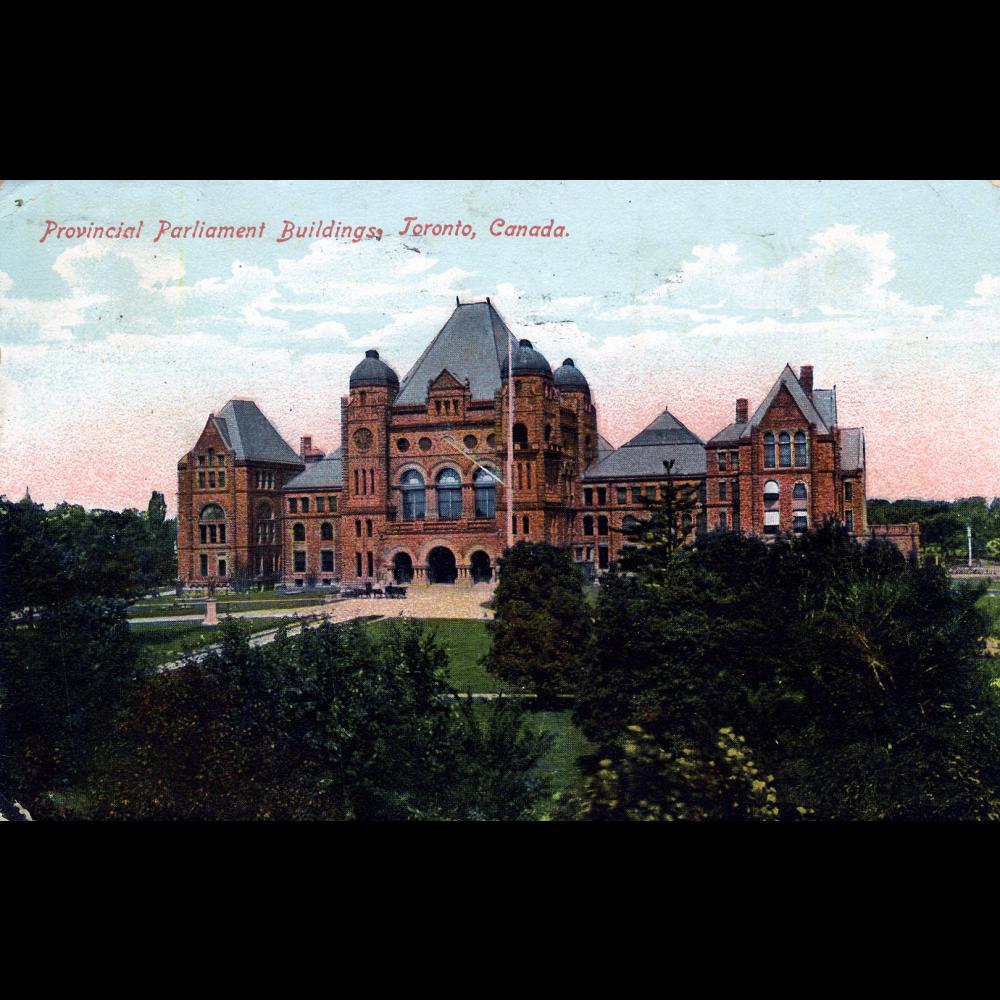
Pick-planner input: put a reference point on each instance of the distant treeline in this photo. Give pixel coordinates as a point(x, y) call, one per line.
point(943, 523)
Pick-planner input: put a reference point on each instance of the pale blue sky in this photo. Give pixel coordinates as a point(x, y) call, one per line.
point(685, 294)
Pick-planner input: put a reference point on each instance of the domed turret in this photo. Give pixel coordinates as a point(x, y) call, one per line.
point(568, 377)
point(374, 371)
point(527, 361)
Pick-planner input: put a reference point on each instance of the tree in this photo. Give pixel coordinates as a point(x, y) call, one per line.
point(541, 629)
point(328, 725)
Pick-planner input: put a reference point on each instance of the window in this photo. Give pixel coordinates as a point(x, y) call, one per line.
point(201, 479)
point(222, 534)
point(602, 556)
point(357, 488)
point(588, 525)
point(650, 492)
point(204, 565)
point(664, 492)
point(212, 521)
point(526, 524)
point(449, 495)
point(320, 505)
point(734, 460)
point(486, 493)
point(222, 460)
point(849, 492)
point(622, 494)
point(721, 456)
point(800, 448)
point(768, 450)
point(602, 525)
point(266, 529)
point(371, 476)
point(213, 533)
point(222, 479)
point(799, 491)
point(357, 529)
point(528, 470)
point(513, 524)
point(800, 520)
point(414, 496)
point(326, 561)
point(211, 480)
point(588, 498)
point(772, 522)
point(723, 520)
point(368, 528)
point(723, 490)
point(204, 534)
point(357, 562)
point(602, 496)
point(784, 449)
point(300, 562)
point(298, 532)
point(326, 531)
point(201, 460)
point(520, 435)
point(579, 553)
point(222, 567)
point(293, 506)
point(849, 521)
point(636, 494)
point(331, 504)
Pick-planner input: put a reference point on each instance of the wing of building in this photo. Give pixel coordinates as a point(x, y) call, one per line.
point(416, 494)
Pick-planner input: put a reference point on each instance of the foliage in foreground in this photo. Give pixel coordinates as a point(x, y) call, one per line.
point(329, 725)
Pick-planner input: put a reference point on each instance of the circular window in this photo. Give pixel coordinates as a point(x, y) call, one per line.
point(491, 440)
point(403, 444)
point(470, 441)
point(425, 444)
point(362, 439)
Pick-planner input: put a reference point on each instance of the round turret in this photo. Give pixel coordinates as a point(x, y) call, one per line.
point(527, 361)
point(568, 377)
point(374, 371)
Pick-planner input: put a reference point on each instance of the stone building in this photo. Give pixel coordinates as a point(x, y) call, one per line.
point(416, 491)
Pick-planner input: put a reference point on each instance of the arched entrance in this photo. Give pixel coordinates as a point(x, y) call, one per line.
point(402, 568)
point(441, 566)
point(479, 567)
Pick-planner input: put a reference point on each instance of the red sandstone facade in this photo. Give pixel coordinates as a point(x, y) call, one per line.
point(415, 492)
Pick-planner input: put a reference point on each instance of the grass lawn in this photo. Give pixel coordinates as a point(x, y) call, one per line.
point(990, 603)
point(466, 641)
point(166, 641)
point(149, 610)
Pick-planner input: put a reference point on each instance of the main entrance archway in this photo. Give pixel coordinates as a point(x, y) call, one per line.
point(479, 567)
point(441, 566)
point(402, 568)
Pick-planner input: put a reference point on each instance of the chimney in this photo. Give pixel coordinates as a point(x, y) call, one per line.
point(742, 411)
point(305, 446)
point(806, 379)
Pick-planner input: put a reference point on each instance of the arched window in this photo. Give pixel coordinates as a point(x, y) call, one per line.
point(800, 448)
point(298, 532)
point(588, 525)
point(768, 450)
point(785, 449)
point(266, 527)
point(799, 491)
point(326, 532)
point(449, 493)
point(212, 529)
point(602, 525)
point(414, 496)
point(486, 493)
point(772, 510)
point(520, 434)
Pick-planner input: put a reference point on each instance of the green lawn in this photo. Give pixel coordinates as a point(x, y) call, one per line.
point(150, 610)
point(990, 603)
point(167, 640)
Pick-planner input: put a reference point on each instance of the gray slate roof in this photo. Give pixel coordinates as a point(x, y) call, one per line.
point(852, 449)
point(325, 474)
point(731, 433)
point(470, 345)
point(604, 447)
point(787, 378)
point(825, 401)
point(664, 439)
point(251, 435)
point(373, 371)
point(568, 376)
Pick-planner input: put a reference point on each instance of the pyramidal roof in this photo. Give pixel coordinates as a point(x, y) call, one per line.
point(251, 435)
point(665, 439)
point(805, 404)
point(471, 345)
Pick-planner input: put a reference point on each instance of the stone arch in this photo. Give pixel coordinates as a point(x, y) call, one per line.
point(442, 566)
point(402, 567)
point(480, 566)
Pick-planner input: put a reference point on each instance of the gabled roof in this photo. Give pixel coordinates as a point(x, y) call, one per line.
point(665, 439)
point(326, 474)
point(805, 404)
point(852, 449)
point(470, 346)
point(251, 435)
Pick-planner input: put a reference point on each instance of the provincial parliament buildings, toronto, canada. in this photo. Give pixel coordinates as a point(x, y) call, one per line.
point(408, 496)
